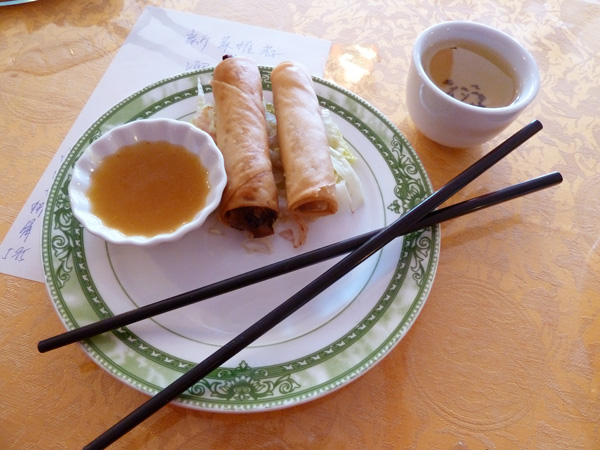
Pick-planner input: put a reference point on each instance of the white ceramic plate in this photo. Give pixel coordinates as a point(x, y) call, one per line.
point(328, 343)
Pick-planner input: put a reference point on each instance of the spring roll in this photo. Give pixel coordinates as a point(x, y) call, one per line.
point(309, 176)
point(249, 201)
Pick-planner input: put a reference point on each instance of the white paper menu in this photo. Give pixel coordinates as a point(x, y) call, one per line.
point(162, 43)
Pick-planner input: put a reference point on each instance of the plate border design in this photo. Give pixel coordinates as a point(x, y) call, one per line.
point(244, 387)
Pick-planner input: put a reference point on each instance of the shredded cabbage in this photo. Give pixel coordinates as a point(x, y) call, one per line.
point(335, 138)
point(348, 185)
point(205, 113)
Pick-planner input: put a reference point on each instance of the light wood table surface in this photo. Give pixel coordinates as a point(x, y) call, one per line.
point(505, 354)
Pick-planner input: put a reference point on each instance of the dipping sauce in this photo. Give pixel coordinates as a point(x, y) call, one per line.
point(472, 74)
point(148, 188)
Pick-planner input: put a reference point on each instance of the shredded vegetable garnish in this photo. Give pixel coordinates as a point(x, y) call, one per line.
point(205, 114)
point(349, 187)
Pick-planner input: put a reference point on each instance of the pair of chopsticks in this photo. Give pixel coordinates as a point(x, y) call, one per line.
point(360, 248)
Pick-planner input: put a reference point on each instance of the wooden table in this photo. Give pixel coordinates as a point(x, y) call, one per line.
point(505, 354)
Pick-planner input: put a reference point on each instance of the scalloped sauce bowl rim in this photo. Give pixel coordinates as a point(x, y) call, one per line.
point(174, 131)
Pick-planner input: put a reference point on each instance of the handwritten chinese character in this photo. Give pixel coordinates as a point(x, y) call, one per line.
point(269, 51)
point(245, 47)
point(16, 254)
point(26, 230)
point(37, 208)
point(197, 40)
point(196, 65)
point(225, 45)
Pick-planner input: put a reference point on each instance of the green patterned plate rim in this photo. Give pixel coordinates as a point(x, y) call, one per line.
point(344, 332)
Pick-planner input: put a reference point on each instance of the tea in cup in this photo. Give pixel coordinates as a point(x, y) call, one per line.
point(467, 82)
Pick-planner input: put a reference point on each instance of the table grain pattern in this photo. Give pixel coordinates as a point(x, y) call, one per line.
point(505, 354)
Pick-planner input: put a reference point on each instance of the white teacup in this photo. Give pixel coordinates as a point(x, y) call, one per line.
point(458, 65)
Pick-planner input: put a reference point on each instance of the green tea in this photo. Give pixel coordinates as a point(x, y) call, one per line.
point(472, 74)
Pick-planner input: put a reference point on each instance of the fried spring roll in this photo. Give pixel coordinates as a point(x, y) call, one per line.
point(307, 167)
point(249, 201)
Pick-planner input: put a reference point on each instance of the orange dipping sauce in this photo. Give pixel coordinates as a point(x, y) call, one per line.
point(148, 188)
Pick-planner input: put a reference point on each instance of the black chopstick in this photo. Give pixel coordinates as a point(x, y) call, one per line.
point(374, 244)
point(291, 264)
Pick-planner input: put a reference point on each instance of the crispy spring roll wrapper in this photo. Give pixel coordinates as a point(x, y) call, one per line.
point(309, 177)
point(249, 201)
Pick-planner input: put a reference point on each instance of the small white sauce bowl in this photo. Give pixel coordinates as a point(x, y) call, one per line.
point(170, 130)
